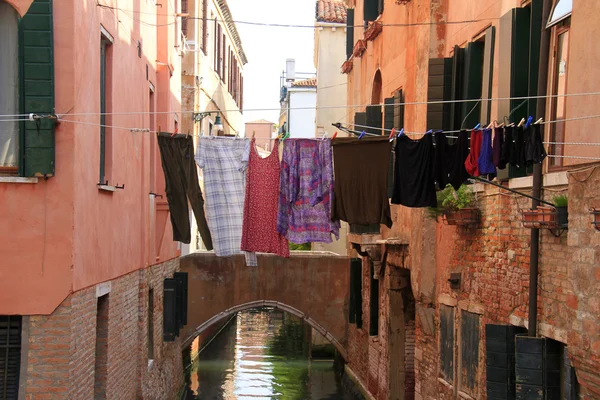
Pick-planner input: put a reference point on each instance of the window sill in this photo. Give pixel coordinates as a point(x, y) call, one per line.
point(107, 188)
point(550, 179)
point(442, 381)
point(150, 365)
point(17, 179)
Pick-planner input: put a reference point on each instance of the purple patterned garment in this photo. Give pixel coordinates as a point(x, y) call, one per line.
point(306, 192)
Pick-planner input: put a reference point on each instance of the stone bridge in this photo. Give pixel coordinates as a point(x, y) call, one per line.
point(310, 285)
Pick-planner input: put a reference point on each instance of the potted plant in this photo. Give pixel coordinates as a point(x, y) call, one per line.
point(548, 216)
point(561, 202)
point(456, 206)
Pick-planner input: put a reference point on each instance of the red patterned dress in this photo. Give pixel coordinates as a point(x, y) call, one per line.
point(259, 231)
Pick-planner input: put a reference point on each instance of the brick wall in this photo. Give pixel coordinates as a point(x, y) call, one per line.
point(61, 359)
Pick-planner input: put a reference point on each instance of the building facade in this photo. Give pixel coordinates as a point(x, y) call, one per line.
point(86, 238)
point(212, 80)
point(263, 131)
point(443, 311)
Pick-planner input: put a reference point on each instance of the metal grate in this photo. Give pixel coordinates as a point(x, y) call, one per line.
point(10, 356)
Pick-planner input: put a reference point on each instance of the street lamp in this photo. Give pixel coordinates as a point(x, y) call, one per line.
point(218, 125)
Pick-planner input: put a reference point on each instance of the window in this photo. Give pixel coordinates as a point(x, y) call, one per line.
point(373, 304)
point(223, 52)
point(349, 32)
point(469, 353)
point(184, 20)
point(151, 324)
point(447, 343)
point(105, 106)
point(10, 356)
point(372, 9)
point(562, 10)
point(355, 306)
point(559, 87)
point(101, 364)
point(9, 89)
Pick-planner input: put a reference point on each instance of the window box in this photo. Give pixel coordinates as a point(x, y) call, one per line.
point(462, 217)
point(545, 217)
point(373, 30)
point(359, 48)
point(347, 67)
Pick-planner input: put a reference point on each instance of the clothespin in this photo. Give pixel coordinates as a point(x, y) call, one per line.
point(253, 134)
point(174, 133)
point(429, 132)
point(324, 136)
point(521, 122)
point(528, 121)
point(477, 126)
point(187, 135)
point(392, 134)
point(492, 125)
point(158, 132)
point(361, 135)
point(401, 132)
point(539, 121)
point(334, 135)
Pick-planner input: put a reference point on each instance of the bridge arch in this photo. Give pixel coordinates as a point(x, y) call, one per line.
point(265, 303)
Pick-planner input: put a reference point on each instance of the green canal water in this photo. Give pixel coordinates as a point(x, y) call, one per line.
point(264, 354)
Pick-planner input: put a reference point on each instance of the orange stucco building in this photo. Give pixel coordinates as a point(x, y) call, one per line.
point(84, 230)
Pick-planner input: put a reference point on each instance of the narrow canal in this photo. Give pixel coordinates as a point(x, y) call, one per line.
point(266, 354)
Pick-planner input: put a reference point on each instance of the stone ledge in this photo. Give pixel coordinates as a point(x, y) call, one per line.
point(17, 179)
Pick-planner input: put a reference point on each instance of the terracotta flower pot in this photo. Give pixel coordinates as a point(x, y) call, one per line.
point(464, 216)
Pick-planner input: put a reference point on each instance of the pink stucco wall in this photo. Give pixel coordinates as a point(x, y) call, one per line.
point(64, 234)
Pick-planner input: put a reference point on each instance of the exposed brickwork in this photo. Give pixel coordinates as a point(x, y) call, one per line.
point(61, 362)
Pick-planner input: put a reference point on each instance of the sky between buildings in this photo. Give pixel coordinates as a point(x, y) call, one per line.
point(267, 48)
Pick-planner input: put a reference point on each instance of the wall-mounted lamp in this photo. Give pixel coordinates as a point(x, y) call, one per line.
point(218, 125)
point(596, 214)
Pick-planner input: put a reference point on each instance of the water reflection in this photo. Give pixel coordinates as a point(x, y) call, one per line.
point(263, 354)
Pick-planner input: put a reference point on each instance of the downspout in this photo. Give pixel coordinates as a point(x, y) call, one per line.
point(537, 171)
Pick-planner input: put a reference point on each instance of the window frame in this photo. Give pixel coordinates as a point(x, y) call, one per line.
point(560, 28)
point(106, 42)
point(6, 348)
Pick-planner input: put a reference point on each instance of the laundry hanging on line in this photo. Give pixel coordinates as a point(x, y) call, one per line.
point(224, 162)
point(306, 192)
point(181, 178)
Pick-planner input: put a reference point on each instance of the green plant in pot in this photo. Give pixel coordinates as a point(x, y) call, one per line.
point(455, 206)
point(561, 202)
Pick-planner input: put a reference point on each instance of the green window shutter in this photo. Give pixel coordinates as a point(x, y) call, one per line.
point(371, 10)
point(398, 109)
point(182, 297)
point(355, 309)
point(360, 121)
point(37, 89)
point(374, 120)
point(469, 351)
point(439, 87)
point(170, 317)
point(472, 81)
point(373, 304)
point(388, 123)
point(380, 6)
point(349, 33)
point(447, 343)
point(488, 75)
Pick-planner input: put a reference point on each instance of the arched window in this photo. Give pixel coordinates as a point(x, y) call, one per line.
point(9, 88)
point(376, 91)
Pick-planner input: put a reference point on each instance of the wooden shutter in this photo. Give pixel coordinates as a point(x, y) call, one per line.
point(355, 309)
point(10, 356)
point(456, 92)
point(398, 109)
point(182, 297)
point(472, 83)
point(371, 10)
point(36, 59)
point(170, 323)
point(380, 6)
point(388, 123)
point(537, 368)
point(513, 71)
point(373, 303)
point(349, 32)
point(488, 75)
point(500, 360)
point(447, 343)
point(360, 121)
point(469, 354)
point(374, 120)
point(439, 87)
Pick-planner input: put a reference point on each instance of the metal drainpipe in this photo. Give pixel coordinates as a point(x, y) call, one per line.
point(537, 171)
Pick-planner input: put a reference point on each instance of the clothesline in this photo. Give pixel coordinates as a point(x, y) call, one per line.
point(60, 115)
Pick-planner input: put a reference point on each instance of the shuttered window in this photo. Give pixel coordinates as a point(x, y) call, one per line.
point(182, 297)
point(447, 343)
point(371, 10)
point(374, 120)
point(439, 86)
point(500, 360)
point(373, 303)
point(349, 32)
point(9, 82)
point(472, 84)
point(355, 306)
point(170, 323)
point(10, 356)
point(36, 57)
point(469, 352)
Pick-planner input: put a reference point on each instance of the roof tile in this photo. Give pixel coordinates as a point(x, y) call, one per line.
point(306, 83)
point(333, 11)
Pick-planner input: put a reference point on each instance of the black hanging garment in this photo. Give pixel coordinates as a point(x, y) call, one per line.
point(497, 147)
point(505, 155)
point(517, 151)
point(414, 184)
point(535, 152)
point(181, 178)
point(449, 161)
